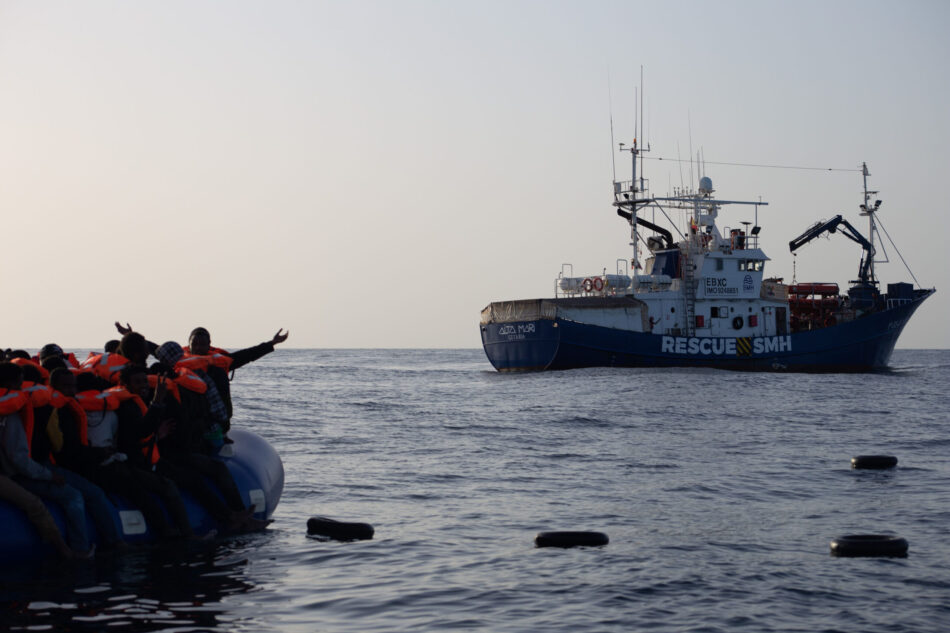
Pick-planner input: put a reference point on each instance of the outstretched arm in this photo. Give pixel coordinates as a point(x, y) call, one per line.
point(244, 356)
point(125, 329)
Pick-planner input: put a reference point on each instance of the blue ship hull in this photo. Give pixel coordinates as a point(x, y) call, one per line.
point(864, 344)
point(254, 464)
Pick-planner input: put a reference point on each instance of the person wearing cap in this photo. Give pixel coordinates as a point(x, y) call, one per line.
point(182, 459)
point(52, 350)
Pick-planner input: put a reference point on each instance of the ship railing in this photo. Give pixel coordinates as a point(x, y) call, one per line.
point(739, 239)
point(631, 189)
point(599, 285)
point(895, 303)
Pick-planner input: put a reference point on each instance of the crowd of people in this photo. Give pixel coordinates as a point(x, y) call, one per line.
point(74, 433)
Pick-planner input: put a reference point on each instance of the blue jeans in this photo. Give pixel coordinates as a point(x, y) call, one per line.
point(98, 505)
point(70, 500)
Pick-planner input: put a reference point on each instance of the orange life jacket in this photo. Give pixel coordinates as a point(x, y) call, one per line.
point(148, 444)
point(216, 359)
point(60, 401)
point(122, 394)
point(170, 386)
point(211, 350)
point(13, 401)
point(23, 361)
point(94, 400)
point(187, 379)
point(39, 394)
point(105, 365)
point(71, 361)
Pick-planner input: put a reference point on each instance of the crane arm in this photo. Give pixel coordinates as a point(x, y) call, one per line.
point(848, 231)
point(814, 231)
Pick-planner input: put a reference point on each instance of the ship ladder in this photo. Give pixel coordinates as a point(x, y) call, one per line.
point(689, 293)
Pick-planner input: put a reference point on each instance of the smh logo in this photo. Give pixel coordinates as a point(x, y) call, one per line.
point(747, 284)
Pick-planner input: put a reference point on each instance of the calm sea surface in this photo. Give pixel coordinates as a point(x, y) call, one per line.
point(720, 492)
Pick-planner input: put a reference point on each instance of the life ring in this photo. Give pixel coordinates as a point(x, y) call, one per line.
point(874, 462)
point(598, 284)
point(869, 545)
point(570, 539)
point(587, 284)
point(339, 530)
point(737, 323)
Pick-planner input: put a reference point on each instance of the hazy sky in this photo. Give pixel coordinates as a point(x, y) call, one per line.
point(372, 174)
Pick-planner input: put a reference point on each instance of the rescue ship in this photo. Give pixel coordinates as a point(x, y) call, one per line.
point(702, 299)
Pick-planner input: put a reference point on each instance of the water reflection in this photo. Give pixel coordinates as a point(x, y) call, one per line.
point(177, 587)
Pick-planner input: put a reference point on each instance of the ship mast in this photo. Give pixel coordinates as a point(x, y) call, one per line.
point(633, 224)
point(868, 210)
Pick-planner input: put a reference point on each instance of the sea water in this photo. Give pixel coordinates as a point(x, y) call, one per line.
point(720, 492)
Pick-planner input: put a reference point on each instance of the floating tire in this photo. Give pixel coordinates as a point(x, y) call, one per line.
point(570, 539)
point(874, 462)
point(869, 545)
point(339, 530)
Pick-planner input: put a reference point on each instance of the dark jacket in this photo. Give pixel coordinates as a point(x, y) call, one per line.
point(136, 430)
point(74, 455)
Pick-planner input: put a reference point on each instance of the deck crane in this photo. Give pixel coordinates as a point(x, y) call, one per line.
point(866, 271)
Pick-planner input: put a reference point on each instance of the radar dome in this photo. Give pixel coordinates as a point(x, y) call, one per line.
point(705, 185)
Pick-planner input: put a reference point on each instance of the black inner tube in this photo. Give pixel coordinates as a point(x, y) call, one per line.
point(570, 539)
point(339, 530)
point(737, 323)
point(874, 462)
point(854, 545)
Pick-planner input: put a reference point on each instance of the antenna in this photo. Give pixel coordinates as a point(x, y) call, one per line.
point(642, 130)
point(641, 107)
point(610, 110)
point(636, 115)
point(679, 159)
point(689, 124)
point(648, 138)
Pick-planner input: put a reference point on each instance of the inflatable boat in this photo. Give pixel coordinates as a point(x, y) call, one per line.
point(254, 464)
